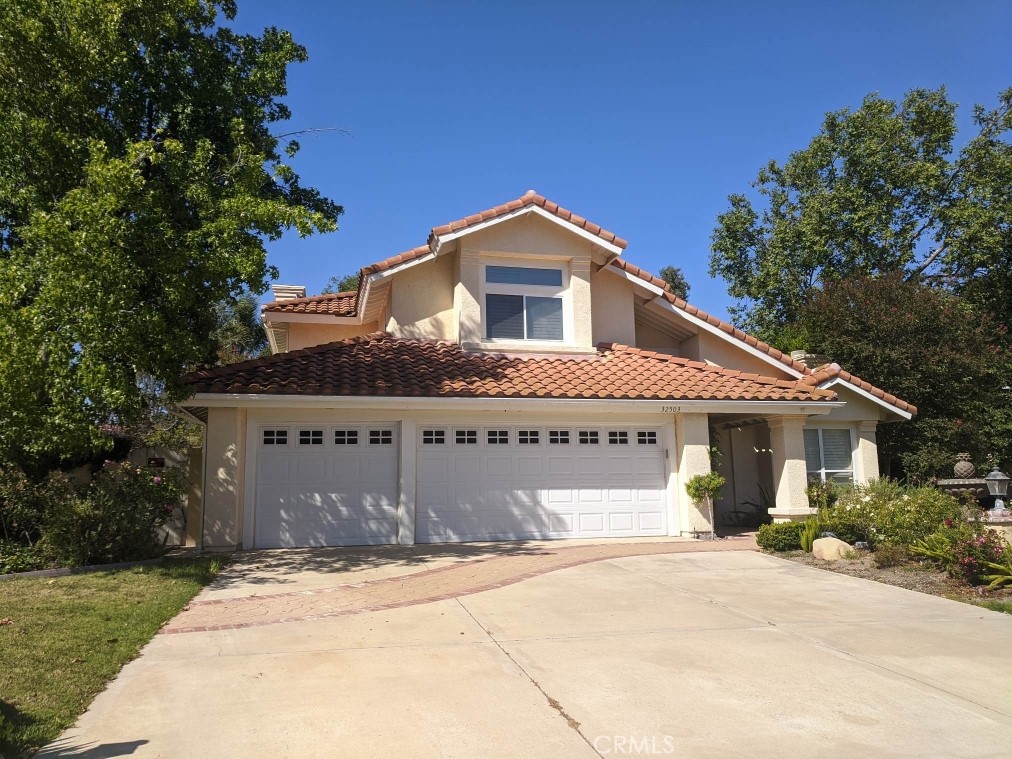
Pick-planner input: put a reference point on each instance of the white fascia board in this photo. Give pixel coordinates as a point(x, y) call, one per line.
point(705, 325)
point(538, 210)
point(637, 281)
point(862, 392)
point(617, 406)
point(379, 276)
point(284, 318)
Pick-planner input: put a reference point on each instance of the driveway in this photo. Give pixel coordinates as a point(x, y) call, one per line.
point(557, 650)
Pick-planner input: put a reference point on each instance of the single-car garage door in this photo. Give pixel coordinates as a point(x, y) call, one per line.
point(518, 481)
point(326, 485)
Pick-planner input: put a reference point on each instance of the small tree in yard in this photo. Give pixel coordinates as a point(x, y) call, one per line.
point(705, 488)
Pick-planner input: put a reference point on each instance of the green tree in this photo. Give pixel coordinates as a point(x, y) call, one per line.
point(240, 332)
point(139, 180)
point(929, 347)
point(879, 189)
point(341, 284)
point(676, 281)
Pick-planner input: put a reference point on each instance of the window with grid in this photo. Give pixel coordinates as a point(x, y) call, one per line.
point(646, 437)
point(618, 437)
point(523, 303)
point(829, 455)
point(528, 437)
point(345, 437)
point(275, 437)
point(588, 437)
point(558, 437)
point(381, 437)
point(498, 437)
point(433, 437)
point(466, 437)
point(310, 437)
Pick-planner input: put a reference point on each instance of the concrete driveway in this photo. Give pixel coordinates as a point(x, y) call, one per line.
point(495, 651)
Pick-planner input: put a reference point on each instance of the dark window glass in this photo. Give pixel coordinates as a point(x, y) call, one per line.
point(310, 437)
point(504, 316)
point(558, 437)
point(345, 437)
point(616, 437)
point(544, 318)
point(467, 437)
point(381, 437)
point(522, 275)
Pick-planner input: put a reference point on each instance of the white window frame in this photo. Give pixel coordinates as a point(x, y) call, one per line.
point(562, 292)
point(822, 472)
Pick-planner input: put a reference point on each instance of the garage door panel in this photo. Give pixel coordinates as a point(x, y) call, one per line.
point(591, 523)
point(327, 493)
point(562, 524)
point(559, 465)
point(621, 521)
point(466, 466)
point(530, 466)
point(498, 466)
point(429, 466)
point(651, 520)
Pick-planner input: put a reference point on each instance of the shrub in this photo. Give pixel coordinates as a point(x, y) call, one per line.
point(809, 532)
point(784, 536)
point(890, 556)
point(20, 507)
point(887, 513)
point(15, 557)
point(112, 518)
point(966, 550)
point(823, 494)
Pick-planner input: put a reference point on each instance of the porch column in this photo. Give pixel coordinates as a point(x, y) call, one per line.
point(692, 444)
point(406, 483)
point(867, 452)
point(790, 475)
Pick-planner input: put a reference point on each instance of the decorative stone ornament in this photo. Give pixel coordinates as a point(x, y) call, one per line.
point(964, 468)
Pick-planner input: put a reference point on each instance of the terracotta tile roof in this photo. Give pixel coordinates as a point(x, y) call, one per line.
point(831, 371)
point(334, 304)
point(400, 258)
point(382, 365)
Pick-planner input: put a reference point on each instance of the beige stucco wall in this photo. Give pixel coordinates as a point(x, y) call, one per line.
point(224, 450)
point(422, 300)
point(692, 451)
point(613, 318)
point(715, 350)
point(308, 335)
point(652, 339)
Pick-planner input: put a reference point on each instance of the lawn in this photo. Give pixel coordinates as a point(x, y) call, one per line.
point(62, 639)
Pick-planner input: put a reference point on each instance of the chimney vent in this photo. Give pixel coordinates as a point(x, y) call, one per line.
point(811, 360)
point(288, 292)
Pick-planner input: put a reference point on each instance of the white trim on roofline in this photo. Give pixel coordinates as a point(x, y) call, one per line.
point(862, 392)
point(379, 276)
point(535, 209)
point(702, 323)
point(616, 406)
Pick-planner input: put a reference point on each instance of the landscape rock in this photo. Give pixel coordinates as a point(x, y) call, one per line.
point(831, 549)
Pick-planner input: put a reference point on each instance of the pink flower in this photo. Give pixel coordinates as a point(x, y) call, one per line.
point(157, 480)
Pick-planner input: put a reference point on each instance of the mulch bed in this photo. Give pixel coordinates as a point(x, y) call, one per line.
point(913, 575)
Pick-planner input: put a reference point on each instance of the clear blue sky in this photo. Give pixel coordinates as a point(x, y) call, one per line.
point(640, 116)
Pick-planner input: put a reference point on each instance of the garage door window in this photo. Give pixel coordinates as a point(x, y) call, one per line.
point(618, 437)
point(466, 437)
point(345, 437)
point(381, 437)
point(529, 437)
point(310, 437)
point(589, 437)
point(498, 437)
point(558, 437)
point(275, 437)
point(646, 437)
point(433, 437)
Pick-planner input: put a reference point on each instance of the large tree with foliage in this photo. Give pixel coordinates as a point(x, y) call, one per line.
point(140, 175)
point(341, 283)
point(929, 347)
point(676, 280)
point(880, 189)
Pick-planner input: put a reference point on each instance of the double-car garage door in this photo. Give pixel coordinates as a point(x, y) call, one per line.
point(338, 484)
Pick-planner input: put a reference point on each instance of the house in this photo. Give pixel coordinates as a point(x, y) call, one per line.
point(515, 377)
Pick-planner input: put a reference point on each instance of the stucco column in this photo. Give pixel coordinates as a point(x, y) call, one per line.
point(465, 299)
point(867, 452)
point(406, 485)
point(223, 471)
point(579, 287)
point(692, 438)
point(790, 475)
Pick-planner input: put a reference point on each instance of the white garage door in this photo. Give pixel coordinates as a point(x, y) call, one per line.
point(326, 485)
point(514, 482)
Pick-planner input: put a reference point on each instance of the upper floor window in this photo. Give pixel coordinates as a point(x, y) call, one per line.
point(829, 455)
point(523, 303)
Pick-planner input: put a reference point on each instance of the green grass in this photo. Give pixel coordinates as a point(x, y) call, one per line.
point(63, 638)
point(1003, 606)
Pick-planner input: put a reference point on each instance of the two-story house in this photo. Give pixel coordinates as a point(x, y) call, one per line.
point(515, 377)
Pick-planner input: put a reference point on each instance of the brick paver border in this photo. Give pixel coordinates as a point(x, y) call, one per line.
point(426, 586)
